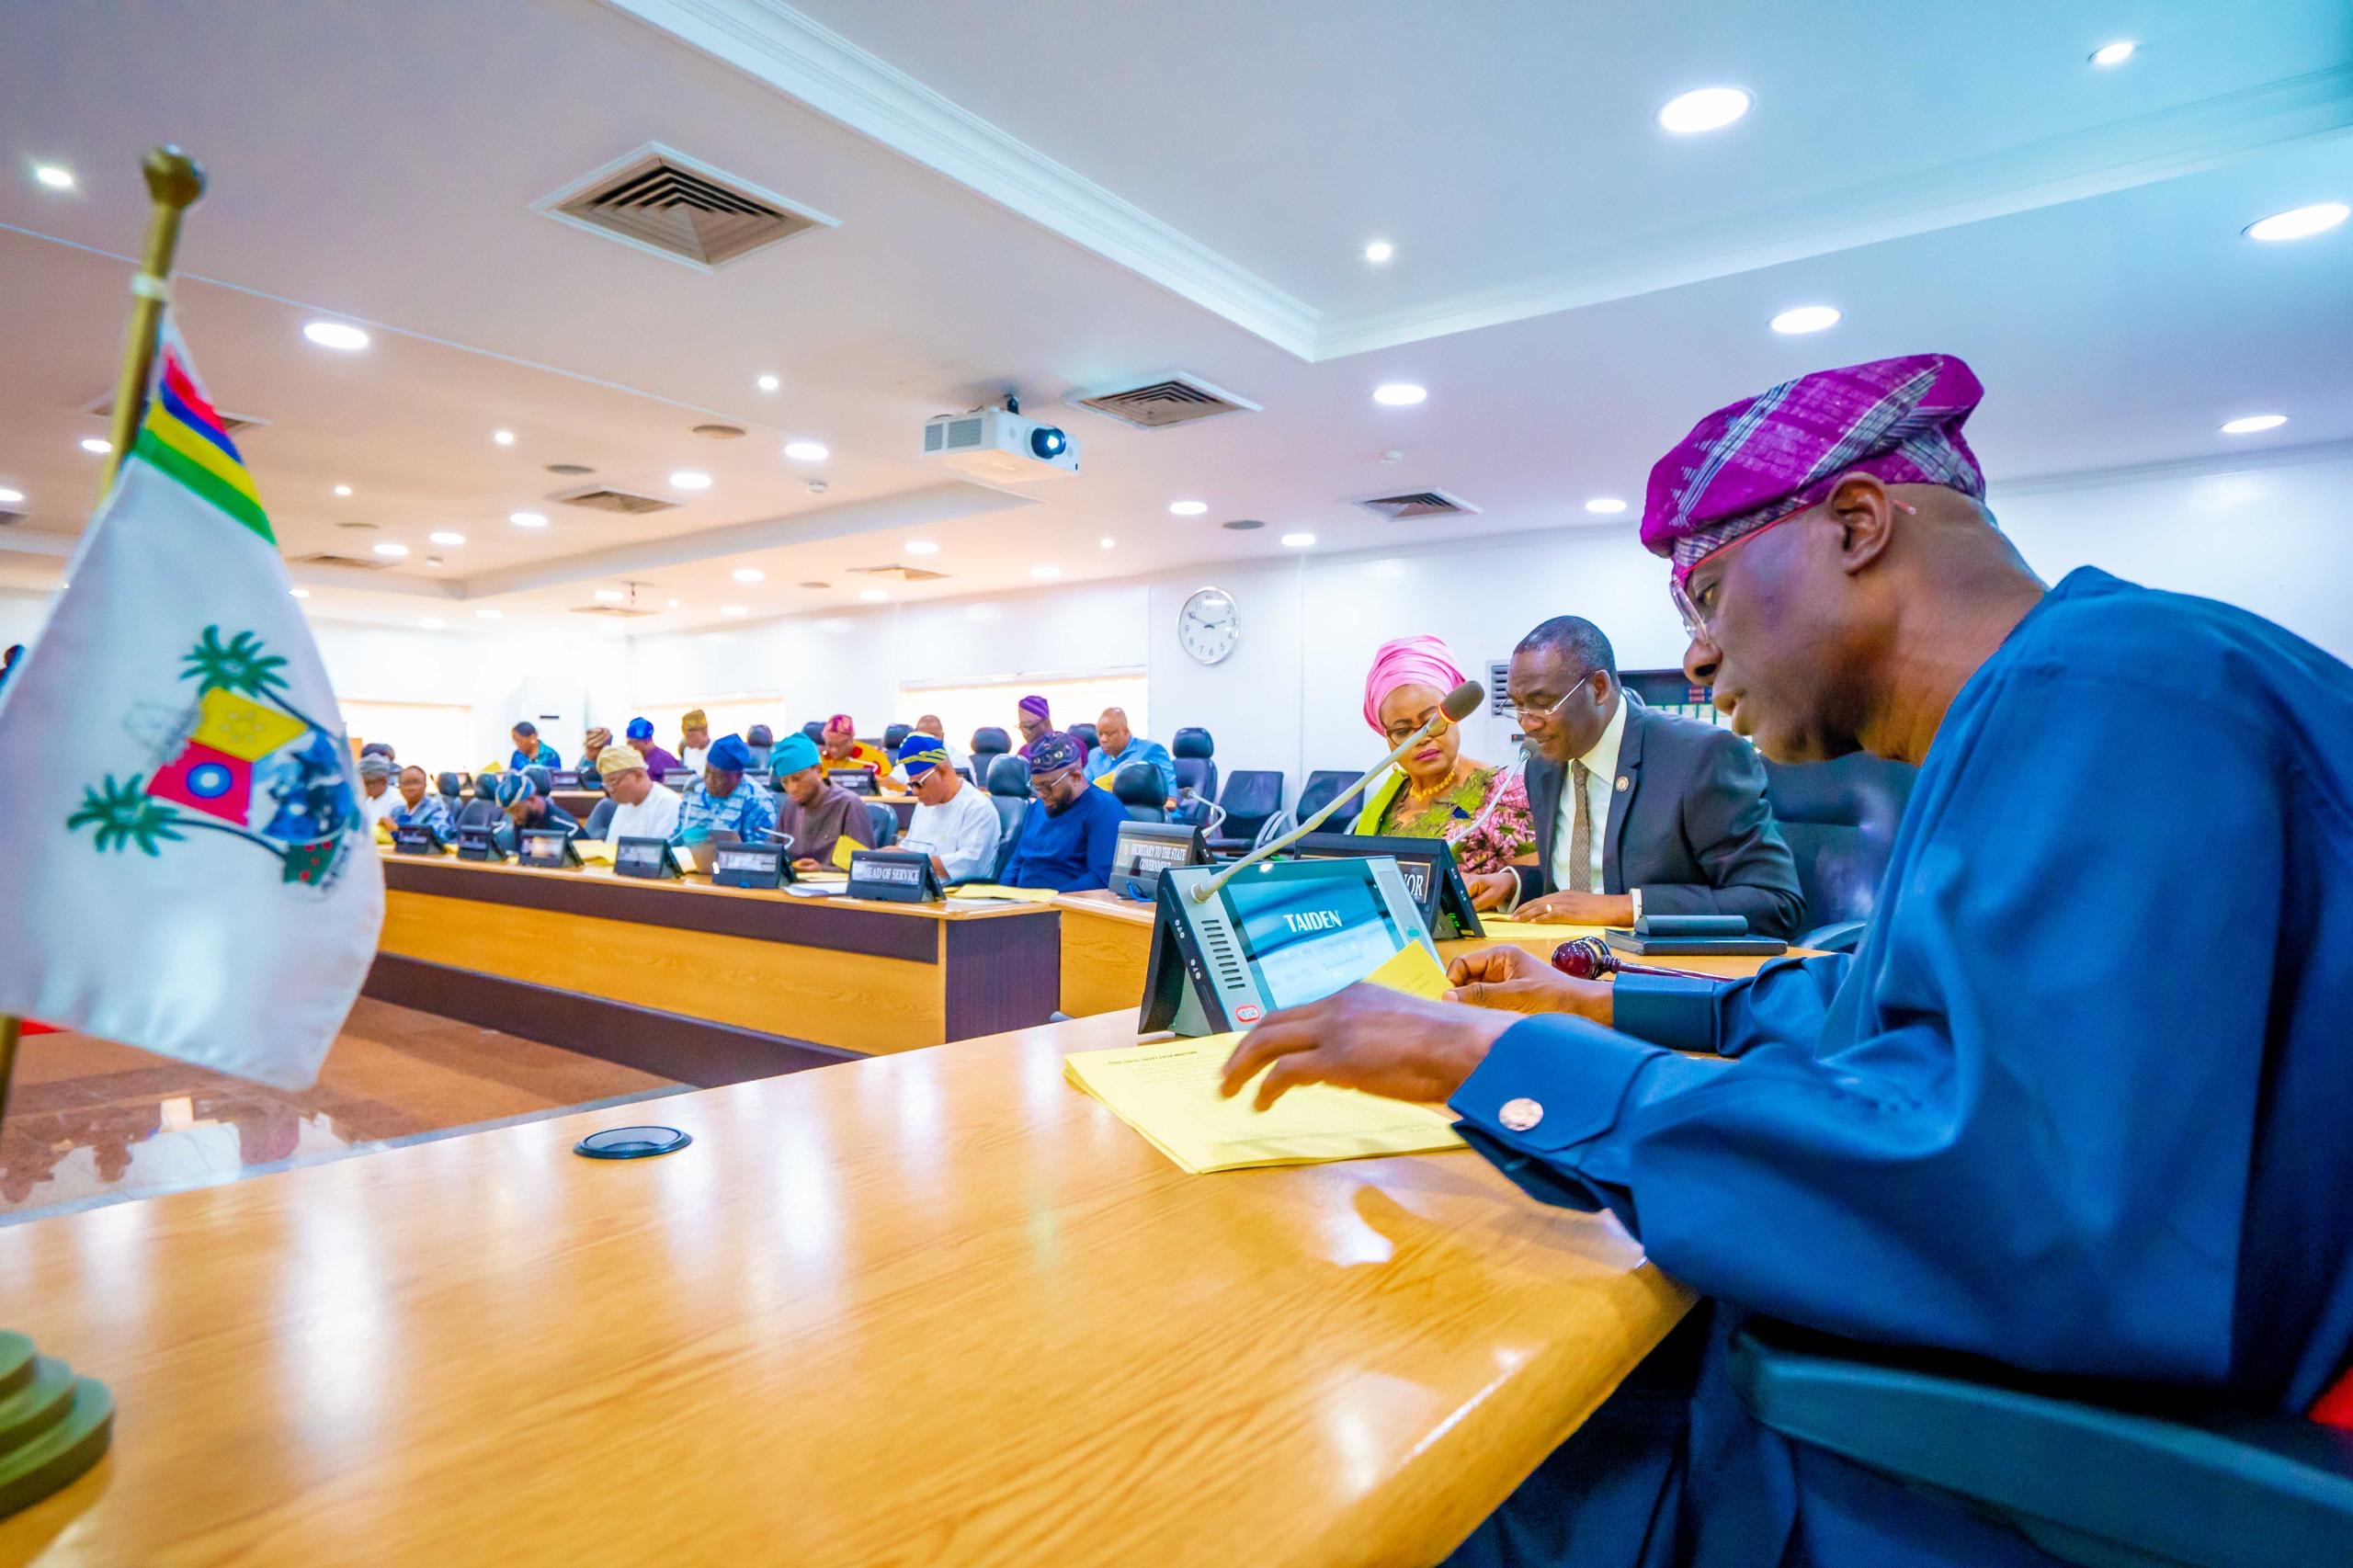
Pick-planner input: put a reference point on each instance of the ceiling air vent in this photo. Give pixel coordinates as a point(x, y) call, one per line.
point(1158, 402)
point(604, 498)
point(349, 562)
point(1417, 504)
point(665, 202)
point(103, 408)
point(627, 612)
point(903, 573)
point(10, 518)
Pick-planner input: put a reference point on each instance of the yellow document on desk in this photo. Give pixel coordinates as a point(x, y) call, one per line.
point(999, 891)
point(595, 851)
point(844, 848)
point(1534, 930)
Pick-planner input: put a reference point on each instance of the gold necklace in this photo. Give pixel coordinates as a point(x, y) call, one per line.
point(1454, 776)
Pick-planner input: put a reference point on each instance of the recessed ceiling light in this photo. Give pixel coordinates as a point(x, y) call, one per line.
point(1048, 573)
point(98, 444)
point(674, 603)
point(486, 615)
point(2115, 54)
point(770, 384)
point(51, 175)
point(872, 595)
point(430, 624)
point(1298, 541)
point(1108, 543)
point(300, 593)
point(688, 479)
point(336, 334)
point(1187, 508)
point(10, 497)
point(805, 451)
point(733, 609)
point(1605, 506)
point(343, 490)
point(611, 595)
point(503, 437)
point(750, 575)
point(391, 550)
point(1705, 108)
point(1806, 318)
point(922, 547)
point(2301, 223)
point(444, 535)
point(2253, 423)
point(1400, 394)
point(1380, 250)
point(527, 519)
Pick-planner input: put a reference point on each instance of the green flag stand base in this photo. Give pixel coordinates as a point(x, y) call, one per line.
point(53, 1426)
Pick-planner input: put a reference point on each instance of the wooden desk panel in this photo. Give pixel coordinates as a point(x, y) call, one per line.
point(932, 1308)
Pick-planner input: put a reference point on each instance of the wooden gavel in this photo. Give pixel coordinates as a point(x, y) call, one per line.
point(1589, 957)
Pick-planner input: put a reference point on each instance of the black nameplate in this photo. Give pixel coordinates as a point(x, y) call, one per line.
point(546, 848)
point(894, 876)
point(648, 857)
point(857, 780)
point(416, 839)
point(563, 778)
point(751, 866)
point(476, 842)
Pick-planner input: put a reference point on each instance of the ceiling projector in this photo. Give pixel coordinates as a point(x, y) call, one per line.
point(999, 446)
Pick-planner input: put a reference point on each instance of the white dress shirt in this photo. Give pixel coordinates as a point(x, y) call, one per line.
point(964, 833)
point(374, 809)
point(696, 758)
point(1601, 781)
point(657, 816)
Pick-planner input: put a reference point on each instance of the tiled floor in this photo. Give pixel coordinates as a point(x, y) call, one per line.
point(89, 1121)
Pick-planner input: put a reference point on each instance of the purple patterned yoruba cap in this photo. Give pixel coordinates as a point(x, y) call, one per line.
point(1753, 462)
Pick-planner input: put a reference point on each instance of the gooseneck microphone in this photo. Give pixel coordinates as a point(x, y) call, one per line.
point(1452, 708)
point(1590, 958)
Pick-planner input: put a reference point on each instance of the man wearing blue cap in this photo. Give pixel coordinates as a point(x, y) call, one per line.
point(658, 763)
point(954, 823)
point(720, 801)
point(1070, 830)
point(814, 811)
point(527, 806)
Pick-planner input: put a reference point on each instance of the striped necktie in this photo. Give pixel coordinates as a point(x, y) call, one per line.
point(1581, 832)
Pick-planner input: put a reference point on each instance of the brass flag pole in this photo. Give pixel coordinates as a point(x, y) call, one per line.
point(54, 1424)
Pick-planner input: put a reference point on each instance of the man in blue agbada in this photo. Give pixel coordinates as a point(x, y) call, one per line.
point(2078, 1105)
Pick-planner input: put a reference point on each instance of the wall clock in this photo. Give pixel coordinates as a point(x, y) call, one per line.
point(1207, 627)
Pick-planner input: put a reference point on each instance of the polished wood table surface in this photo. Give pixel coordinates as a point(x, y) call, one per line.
point(643, 971)
point(933, 1308)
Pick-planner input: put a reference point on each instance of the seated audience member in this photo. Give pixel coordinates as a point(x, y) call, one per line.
point(2077, 1105)
point(1035, 722)
point(721, 800)
point(954, 823)
point(380, 748)
point(658, 762)
point(1070, 830)
point(530, 750)
point(759, 740)
point(812, 809)
point(419, 806)
point(642, 808)
point(519, 797)
point(1660, 815)
point(1121, 747)
point(693, 739)
point(592, 746)
point(958, 757)
point(378, 799)
point(844, 749)
point(1435, 791)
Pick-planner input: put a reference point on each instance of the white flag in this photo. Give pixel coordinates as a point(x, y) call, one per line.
point(183, 861)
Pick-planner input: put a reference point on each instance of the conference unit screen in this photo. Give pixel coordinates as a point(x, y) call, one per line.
point(1309, 935)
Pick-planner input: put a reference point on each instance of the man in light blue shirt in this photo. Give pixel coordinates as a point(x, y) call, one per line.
point(721, 800)
point(1121, 745)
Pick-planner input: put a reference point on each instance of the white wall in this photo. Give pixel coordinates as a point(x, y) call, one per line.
point(500, 675)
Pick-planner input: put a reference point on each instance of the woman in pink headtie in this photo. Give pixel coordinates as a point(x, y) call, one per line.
point(1435, 791)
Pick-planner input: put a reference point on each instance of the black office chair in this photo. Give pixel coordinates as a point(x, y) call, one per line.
point(886, 823)
point(451, 789)
point(1195, 752)
point(1008, 777)
point(1839, 818)
point(988, 741)
point(1086, 732)
point(895, 737)
point(543, 779)
point(481, 811)
point(600, 820)
point(1250, 797)
point(1008, 785)
point(815, 730)
point(2095, 1484)
point(1138, 787)
point(1321, 785)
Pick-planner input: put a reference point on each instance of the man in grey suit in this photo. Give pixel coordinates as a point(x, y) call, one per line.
point(1666, 815)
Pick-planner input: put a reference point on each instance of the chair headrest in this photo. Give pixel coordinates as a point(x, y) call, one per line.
point(1192, 741)
point(448, 784)
point(543, 781)
point(895, 737)
point(1085, 733)
point(815, 730)
point(1137, 784)
point(1009, 774)
point(989, 738)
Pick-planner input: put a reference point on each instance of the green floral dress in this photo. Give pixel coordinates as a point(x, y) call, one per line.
point(1485, 817)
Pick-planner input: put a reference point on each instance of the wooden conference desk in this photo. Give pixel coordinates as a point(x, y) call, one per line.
point(930, 1307)
point(705, 984)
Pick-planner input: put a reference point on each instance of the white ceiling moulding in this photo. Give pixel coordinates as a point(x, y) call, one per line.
point(915, 508)
point(799, 57)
